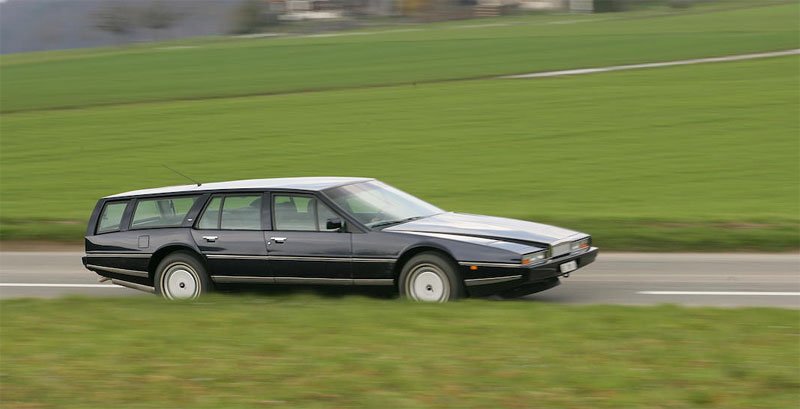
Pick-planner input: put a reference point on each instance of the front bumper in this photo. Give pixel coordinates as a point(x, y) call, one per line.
point(551, 268)
point(504, 279)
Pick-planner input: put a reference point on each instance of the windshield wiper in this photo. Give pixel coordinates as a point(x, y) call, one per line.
point(390, 222)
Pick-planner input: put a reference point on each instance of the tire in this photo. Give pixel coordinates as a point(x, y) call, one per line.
point(430, 277)
point(181, 276)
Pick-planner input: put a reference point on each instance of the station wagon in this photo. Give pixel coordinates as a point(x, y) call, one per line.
point(183, 241)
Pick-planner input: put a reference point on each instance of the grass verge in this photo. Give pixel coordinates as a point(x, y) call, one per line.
point(311, 352)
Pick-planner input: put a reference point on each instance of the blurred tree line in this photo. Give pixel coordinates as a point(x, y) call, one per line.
point(121, 17)
point(56, 24)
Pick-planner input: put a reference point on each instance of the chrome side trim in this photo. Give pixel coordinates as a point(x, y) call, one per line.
point(115, 255)
point(243, 279)
point(491, 280)
point(309, 258)
point(235, 257)
point(373, 281)
point(136, 273)
point(301, 258)
point(300, 280)
point(374, 260)
point(135, 286)
point(482, 264)
point(313, 280)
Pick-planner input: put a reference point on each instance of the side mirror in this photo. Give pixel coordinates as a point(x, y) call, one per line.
point(334, 224)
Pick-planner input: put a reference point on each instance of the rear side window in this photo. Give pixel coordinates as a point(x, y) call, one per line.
point(238, 212)
point(210, 218)
point(111, 217)
point(161, 212)
point(241, 213)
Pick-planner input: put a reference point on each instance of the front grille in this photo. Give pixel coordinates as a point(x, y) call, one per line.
point(560, 249)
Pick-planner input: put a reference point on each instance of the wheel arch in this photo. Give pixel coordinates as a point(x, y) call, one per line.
point(409, 253)
point(163, 252)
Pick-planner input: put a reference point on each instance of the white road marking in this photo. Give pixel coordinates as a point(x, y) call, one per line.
point(482, 25)
point(355, 33)
point(768, 293)
point(574, 21)
point(178, 47)
point(401, 30)
point(55, 285)
point(654, 64)
point(259, 35)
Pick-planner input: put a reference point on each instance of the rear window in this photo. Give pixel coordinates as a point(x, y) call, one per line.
point(111, 217)
point(161, 212)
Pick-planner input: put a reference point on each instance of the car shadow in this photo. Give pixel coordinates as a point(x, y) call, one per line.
point(385, 293)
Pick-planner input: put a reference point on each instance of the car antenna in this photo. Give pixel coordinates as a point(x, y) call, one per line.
point(187, 177)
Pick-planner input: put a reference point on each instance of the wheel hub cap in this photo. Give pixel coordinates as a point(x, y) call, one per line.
point(427, 286)
point(180, 284)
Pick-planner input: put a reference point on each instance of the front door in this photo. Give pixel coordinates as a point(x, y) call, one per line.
point(300, 247)
point(230, 233)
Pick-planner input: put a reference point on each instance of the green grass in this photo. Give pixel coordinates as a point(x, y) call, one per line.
point(435, 53)
point(683, 158)
point(311, 352)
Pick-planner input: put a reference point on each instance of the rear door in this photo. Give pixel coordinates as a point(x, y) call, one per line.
point(300, 247)
point(230, 233)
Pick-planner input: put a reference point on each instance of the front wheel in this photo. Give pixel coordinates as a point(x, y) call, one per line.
point(430, 277)
point(180, 276)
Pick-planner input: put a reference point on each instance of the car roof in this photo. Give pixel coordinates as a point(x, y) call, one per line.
point(299, 183)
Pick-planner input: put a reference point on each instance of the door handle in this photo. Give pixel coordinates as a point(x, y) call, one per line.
point(278, 240)
point(210, 239)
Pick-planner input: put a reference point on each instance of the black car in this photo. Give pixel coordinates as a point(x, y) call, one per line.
point(181, 241)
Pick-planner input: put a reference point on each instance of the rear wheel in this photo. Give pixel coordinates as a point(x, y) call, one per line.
point(430, 277)
point(180, 276)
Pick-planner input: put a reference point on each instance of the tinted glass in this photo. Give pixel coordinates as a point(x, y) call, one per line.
point(301, 213)
point(375, 203)
point(161, 212)
point(241, 212)
point(111, 217)
point(210, 217)
point(323, 214)
point(292, 213)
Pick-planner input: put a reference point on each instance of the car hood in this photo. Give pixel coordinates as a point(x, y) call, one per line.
point(499, 228)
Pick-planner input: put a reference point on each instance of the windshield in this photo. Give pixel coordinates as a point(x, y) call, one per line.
point(377, 204)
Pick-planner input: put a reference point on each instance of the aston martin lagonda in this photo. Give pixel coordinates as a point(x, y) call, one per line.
point(181, 242)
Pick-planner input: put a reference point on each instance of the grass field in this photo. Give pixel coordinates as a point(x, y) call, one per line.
point(311, 352)
point(660, 159)
point(436, 52)
point(702, 157)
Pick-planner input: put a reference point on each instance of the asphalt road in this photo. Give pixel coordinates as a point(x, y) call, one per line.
point(725, 280)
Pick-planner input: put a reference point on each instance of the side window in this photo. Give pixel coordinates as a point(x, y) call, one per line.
point(300, 213)
point(210, 217)
point(241, 213)
point(232, 212)
point(111, 217)
point(161, 212)
point(323, 214)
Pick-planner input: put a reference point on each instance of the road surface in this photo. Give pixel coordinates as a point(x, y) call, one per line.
point(725, 280)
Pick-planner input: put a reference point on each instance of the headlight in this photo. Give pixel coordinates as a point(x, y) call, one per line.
point(534, 258)
point(581, 244)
